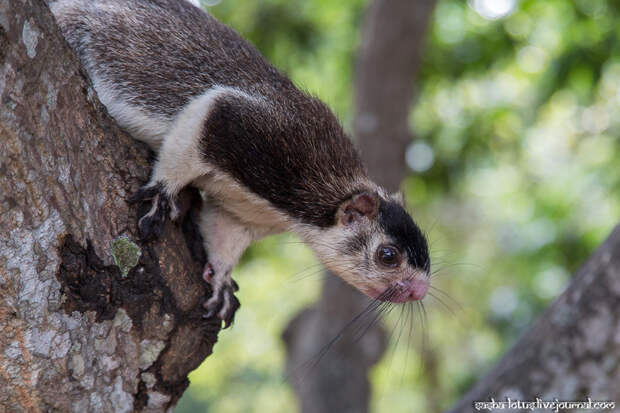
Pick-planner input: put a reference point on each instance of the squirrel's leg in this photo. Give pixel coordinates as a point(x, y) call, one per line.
point(225, 241)
point(179, 162)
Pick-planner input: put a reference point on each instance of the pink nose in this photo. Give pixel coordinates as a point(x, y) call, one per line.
point(409, 290)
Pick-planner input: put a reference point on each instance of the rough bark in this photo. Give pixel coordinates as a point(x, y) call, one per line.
point(388, 60)
point(79, 332)
point(572, 351)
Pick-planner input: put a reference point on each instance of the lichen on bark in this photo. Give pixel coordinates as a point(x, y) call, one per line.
point(125, 254)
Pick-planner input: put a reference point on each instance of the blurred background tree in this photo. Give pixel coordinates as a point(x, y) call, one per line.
point(328, 364)
point(514, 175)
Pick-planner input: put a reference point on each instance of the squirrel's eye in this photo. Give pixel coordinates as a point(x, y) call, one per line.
point(388, 255)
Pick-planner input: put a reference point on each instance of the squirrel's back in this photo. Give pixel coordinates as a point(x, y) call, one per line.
point(161, 53)
point(149, 59)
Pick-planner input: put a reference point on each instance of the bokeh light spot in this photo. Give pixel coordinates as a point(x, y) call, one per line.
point(503, 301)
point(493, 9)
point(420, 156)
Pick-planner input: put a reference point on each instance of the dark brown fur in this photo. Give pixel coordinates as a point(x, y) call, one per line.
point(292, 153)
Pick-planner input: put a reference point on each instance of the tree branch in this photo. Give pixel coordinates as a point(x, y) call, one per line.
point(572, 351)
point(88, 323)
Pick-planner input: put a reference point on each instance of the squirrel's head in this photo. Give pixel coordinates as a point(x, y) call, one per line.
point(375, 245)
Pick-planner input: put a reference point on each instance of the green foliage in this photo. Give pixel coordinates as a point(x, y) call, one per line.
point(521, 113)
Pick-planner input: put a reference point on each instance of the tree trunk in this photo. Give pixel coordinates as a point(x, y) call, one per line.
point(572, 351)
point(336, 379)
point(91, 318)
point(388, 61)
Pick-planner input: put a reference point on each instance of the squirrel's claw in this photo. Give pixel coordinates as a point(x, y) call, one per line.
point(151, 224)
point(223, 304)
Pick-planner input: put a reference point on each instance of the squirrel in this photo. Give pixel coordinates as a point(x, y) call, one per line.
point(266, 156)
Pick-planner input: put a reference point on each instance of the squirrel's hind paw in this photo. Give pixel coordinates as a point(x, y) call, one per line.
point(223, 304)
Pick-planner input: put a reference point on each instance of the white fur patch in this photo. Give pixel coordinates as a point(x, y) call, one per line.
point(147, 127)
point(255, 212)
point(180, 161)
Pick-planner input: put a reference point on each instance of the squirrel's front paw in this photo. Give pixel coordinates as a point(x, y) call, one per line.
point(151, 224)
point(223, 304)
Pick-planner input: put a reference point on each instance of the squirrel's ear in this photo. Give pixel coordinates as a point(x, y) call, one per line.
point(365, 204)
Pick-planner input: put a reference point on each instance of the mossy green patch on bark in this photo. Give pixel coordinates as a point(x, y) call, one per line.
point(125, 253)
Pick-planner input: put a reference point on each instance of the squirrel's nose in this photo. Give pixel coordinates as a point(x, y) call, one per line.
point(410, 289)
